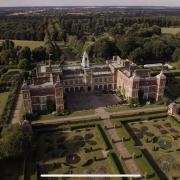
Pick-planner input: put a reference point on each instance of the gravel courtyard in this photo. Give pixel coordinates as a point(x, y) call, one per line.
point(84, 101)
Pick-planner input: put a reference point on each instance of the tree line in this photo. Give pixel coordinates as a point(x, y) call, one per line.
point(140, 43)
point(35, 27)
point(24, 56)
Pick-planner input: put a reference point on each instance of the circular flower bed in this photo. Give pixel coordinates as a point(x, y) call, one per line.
point(165, 143)
point(72, 158)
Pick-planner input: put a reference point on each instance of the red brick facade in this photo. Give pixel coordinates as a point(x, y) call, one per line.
point(53, 81)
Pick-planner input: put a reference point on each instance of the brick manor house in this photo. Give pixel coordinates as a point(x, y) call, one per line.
point(53, 81)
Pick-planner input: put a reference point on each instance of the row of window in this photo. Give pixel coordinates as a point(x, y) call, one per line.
point(70, 82)
point(109, 79)
point(80, 81)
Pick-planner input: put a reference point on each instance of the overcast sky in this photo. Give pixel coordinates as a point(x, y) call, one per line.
point(89, 2)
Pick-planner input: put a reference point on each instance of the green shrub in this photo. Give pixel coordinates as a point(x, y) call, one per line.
point(106, 140)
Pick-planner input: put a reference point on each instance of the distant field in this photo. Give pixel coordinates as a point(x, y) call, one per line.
point(31, 44)
point(170, 30)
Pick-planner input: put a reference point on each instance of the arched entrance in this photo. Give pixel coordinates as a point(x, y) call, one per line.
point(66, 90)
point(141, 96)
point(96, 87)
point(110, 86)
point(105, 87)
point(81, 89)
point(100, 87)
point(71, 89)
point(89, 88)
point(76, 89)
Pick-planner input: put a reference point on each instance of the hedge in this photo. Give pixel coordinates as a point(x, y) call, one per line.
point(138, 117)
point(117, 163)
point(154, 165)
point(106, 140)
point(136, 113)
point(45, 129)
point(11, 102)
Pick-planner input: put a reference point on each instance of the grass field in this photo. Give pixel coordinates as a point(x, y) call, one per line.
point(30, 44)
point(73, 114)
point(172, 30)
point(124, 108)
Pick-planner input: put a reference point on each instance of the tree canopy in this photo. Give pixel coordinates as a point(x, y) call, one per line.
point(14, 141)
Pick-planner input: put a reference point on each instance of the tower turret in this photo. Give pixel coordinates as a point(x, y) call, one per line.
point(51, 78)
point(85, 60)
point(134, 83)
point(161, 82)
point(59, 95)
point(27, 98)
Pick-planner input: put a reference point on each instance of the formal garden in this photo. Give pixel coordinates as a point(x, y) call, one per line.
point(78, 149)
point(81, 147)
point(161, 138)
point(152, 139)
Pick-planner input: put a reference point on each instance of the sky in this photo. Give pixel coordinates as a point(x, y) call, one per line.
point(89, 3)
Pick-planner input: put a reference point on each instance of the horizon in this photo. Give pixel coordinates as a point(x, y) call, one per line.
point(64, 6)
point(92, 3)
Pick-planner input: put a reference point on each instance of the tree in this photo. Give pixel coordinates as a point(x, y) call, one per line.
point(176, 55)
point(25, 53)
point(104, 48)
point(39, 53)
point(126, 45)
point(4, 57)
point(137, 55)
point(24, 64)
point(156, 30)
point(7, 44)
point(15, 141)
point(162, 50)
point(118, 29)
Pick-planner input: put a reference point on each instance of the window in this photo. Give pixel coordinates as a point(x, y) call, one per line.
point(25, 95)
point(43, 100)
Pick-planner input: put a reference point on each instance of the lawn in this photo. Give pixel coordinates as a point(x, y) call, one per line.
point(22, 111)
point(124, 108)
point(30, 44)
point(172, 30)
point(73, 114)
point(78, 151)
point(161, 138)
point(3, 100)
